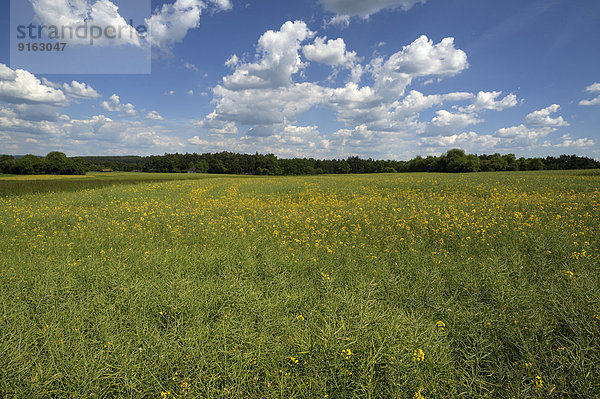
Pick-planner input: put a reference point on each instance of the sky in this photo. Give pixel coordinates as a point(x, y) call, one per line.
point(386, 79)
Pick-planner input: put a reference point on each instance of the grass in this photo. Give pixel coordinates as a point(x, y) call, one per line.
point(18, 185)
point(375, 286)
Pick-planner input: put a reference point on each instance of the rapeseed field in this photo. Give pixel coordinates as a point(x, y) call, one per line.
point(373, 286)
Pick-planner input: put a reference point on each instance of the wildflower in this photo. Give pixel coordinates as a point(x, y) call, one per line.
point(418, 394)
point(569, 274)
point(293, 359)
point(539, 382)
point(299, 317)
point(441, 325)
point(418, 355)
point(346, 354)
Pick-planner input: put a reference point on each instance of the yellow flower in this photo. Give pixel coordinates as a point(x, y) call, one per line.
point(418, 355)
point(299, 317)
point(418, 394)
point(539, 382)
point(346, 354)
point(293, 359)
point(441, 325)
point(569, 274)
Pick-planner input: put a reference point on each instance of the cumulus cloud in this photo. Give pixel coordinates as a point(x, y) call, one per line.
point(488, 101)
point(171, 23)
point(570, 142)
point(419, 59)
point(22, 87)
point(97, 134)
point(168, 24)
point(261, 101)
point(279, 60)
point(154, 115)
point(263, 95)
point(594, 88)
point(75, 90)
point(6, 73)
point(466, 140)
point(364, 9)
point(73, 13)
point(114, 105)
point(542, 117)
point(330, 52)
point(446, 123)
point(523, 132)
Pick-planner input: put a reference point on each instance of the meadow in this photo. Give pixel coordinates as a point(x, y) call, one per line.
point(373, 286)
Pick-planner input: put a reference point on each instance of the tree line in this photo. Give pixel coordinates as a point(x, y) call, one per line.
point(454, 161)
point(55, 163)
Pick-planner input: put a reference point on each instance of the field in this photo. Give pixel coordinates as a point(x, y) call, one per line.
point(373, 286)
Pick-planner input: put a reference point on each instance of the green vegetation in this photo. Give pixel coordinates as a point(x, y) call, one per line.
point(454, 161)
point(13, 185)
point(55, 163)
point(373, 286)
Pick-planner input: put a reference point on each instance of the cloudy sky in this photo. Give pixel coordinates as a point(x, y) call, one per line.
point(388, 79)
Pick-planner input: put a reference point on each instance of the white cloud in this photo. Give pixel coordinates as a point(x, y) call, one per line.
point(155, 116)
point(6, 73)
point(31, 112)
point(365, 8)
point(264, 97)
point(75, 90)
point(168, 25)
point(171, 23)
point(488, 101)
point(594, 88)
point(22, 87)
point(73, 13)
point(190, 92)
point(569, 142)
point(227, 128)
point(469, 141)
point(267, 106)
point(279, 60)
point(594, 101)
point(521, 136)
point(222, 5)
point(114, 105)
point(420, 58)
point(446, 123)
point(330, 52)
point(80, 90)
point(190, 66)
point(542, 117)
point(37, 128)
point(260, 102)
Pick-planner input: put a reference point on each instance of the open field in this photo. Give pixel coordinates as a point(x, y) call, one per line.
point(15, 185)
point(372, 286)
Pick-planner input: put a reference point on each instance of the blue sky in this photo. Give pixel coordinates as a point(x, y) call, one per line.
point(386, 79)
